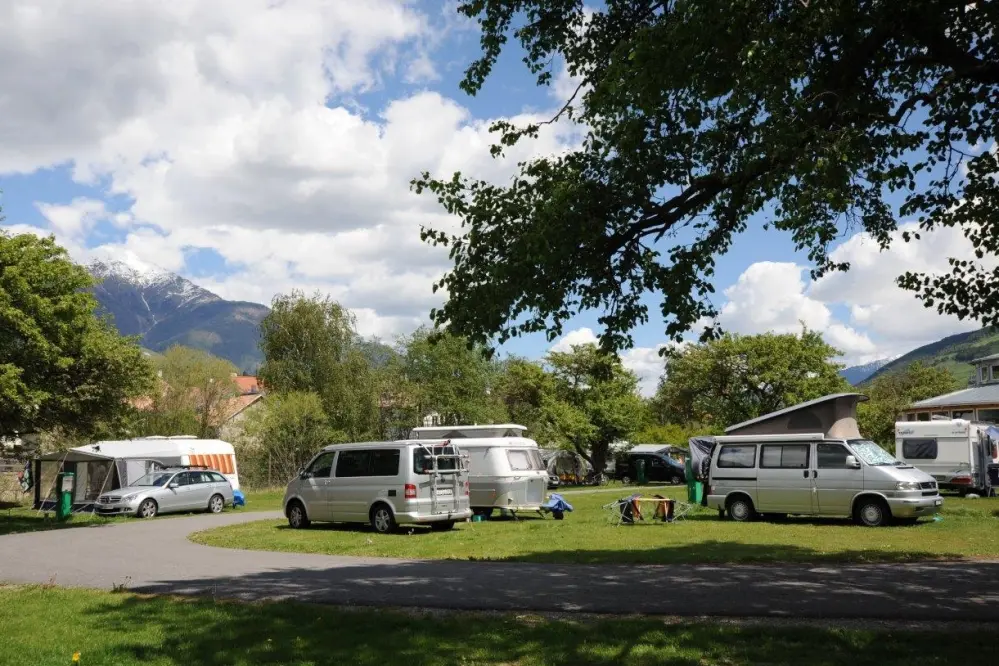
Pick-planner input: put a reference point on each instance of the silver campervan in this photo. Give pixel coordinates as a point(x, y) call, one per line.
point(382, 483)
point(814, 475)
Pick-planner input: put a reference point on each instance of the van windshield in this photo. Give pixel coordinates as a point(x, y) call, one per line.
point(872, 454)
point(423, 461)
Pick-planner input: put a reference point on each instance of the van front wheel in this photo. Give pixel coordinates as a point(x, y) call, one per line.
point(382, 519)
point(741, 510)
point(297, 518)
point(872, 512)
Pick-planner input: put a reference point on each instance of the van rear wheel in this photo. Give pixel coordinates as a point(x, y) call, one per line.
point(740, 509)
point(382, 519)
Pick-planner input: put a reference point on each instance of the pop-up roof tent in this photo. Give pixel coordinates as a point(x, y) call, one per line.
point(835, 416)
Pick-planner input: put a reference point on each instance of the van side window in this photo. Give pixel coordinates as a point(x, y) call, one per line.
point(384, 462)
point(784, 456)
point(323, 465)
point(831, 456)
point(352, 463)
point(919, 449)
point(737, 456)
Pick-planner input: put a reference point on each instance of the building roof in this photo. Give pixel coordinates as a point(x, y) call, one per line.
point(234, 406)
point(822, 411)
point(247, 384)
point(987, 394)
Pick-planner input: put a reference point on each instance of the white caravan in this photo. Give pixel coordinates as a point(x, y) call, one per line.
point(175, 451)
point(505, 468)
point(955, 452)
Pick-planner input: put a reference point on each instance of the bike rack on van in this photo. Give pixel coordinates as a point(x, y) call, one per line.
point(435, 471)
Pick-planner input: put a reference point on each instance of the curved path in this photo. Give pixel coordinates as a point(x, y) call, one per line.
point(155, 556)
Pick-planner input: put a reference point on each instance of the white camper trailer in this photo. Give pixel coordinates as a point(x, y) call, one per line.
point(505, 468)
point(955, 452)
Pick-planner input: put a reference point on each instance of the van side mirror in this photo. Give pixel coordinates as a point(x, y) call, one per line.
point(304, 474)
point(852, 462)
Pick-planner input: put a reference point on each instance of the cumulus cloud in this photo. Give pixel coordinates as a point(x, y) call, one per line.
point(233, 126)
point(645, 362)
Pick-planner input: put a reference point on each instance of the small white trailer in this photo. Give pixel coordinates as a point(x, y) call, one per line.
point(955, 452)
point(505, 468)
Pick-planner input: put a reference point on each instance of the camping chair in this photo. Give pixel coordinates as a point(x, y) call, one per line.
point(670, 510)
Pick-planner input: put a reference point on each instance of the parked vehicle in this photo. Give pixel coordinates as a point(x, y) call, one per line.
point(382, 483)
point(111, 465)
point(811, 474)
point(955, 452)
point(658, 468)
point(505, 468)
point(169, 490)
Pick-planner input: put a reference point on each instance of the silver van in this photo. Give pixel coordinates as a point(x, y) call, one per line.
point(382, 483)
point(814, 475)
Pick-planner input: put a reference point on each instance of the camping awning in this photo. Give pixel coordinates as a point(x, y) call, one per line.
point(73, 455)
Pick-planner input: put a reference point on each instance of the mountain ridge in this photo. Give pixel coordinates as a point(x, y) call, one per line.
point(164, 309)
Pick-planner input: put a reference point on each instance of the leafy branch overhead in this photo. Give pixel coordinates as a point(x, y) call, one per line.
point(817, 116)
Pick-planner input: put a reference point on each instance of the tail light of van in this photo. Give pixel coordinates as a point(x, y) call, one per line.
point(466, 488)
point(410, 492)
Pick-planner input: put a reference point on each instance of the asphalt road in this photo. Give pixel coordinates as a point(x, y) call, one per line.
point(155, 556)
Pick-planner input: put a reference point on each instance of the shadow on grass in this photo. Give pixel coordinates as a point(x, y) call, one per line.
point(202, 632)
point(17, 521)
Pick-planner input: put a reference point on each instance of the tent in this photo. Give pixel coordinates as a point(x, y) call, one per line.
point(94, 473)
point(568, 466)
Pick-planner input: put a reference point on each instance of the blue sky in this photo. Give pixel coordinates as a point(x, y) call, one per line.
point(257, 148)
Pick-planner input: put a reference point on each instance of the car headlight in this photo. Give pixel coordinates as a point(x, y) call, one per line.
point(129, 498)
point(907, 485)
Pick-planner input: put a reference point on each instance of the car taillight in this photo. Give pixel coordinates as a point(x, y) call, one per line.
point(466, 487)
point(410, 491)
point(961, 480)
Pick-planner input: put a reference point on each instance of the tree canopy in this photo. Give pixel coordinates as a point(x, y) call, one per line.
point(892, 393)
point(739, 377)
point(61, 365)
point(812, 118)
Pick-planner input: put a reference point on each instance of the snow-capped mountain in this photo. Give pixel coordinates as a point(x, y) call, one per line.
point(860, 373)
point(163, 309)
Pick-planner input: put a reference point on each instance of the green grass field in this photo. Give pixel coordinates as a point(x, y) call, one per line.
point(966, 529)
point(46, 626)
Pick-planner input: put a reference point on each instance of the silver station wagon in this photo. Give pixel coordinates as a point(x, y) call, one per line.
point(168, 490)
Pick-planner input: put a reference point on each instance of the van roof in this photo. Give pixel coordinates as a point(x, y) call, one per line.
point(754, 439)
point(487, 426)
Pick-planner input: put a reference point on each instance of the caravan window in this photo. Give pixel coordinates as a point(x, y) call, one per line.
point(739, 456)
point(519, 460)
point(919, 449)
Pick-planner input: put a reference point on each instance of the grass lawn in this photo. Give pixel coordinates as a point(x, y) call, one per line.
point(45, 626)
point(967, 528)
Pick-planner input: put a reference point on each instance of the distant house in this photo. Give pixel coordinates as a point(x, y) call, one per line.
point(230, 415)
point(978, 402)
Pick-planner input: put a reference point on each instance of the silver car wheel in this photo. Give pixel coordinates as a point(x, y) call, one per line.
point(147, 509)
point(296, 516)
point(216, 504)
point(383, 520)
point(871, 514)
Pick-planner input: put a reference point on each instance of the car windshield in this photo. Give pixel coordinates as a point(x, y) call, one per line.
point(872, 454)
point(154, 479)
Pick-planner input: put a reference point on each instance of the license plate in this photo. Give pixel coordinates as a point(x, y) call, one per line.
point(445, 492)
point(937, 502)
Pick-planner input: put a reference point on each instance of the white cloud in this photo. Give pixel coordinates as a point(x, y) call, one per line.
point(232, 126)
point(645, 362)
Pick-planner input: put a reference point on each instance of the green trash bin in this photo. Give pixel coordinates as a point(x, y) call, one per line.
point(64, 495)
point(688, 469)
point(640, 471)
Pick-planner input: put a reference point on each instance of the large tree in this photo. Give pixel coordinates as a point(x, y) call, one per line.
point(807, 117)
point(310, 344)
point(61, 365)
point(892, 393)
point(595, 402)
point(734, 378)
point(193, 395)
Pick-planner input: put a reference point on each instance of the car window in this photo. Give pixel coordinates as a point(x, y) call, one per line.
point(182, 479)
point(422, 463)
point(352, 463)
point(218, 478)
point(323, 465)
point(519, 460)
point(784, 456)
point(657, 462)
point(831, 456)
point(739, 456)
point(206, 477)
point(384, 462)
